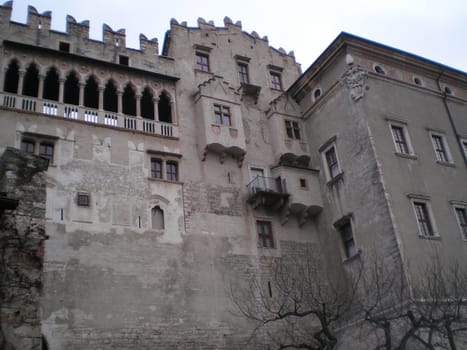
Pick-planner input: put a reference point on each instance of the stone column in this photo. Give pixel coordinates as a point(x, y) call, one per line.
point(81, 93)
point(101, 97)
point(155, 100)
point(138, 105)
point(21, 74)
point(40, 92)
point(61, 89)
point(119, 101)
point(172, 112)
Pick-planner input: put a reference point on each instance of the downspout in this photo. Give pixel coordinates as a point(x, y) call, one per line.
point(451, 120)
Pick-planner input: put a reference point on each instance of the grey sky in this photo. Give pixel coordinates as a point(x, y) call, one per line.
point(436, 30)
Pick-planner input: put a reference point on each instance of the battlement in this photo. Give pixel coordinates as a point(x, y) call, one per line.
point(39, 24)
point(231, 27)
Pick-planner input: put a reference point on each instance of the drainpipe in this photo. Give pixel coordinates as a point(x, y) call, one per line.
point(451, 120)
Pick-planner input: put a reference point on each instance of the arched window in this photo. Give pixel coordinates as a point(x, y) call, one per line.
point(164, 108)
point(51, 85)
point(110, 97)
point(11, 78)
point(129, 101)
point(91, 93)
point(31, 81)
point(71, 89)
point(157, 218)
point(147, 105)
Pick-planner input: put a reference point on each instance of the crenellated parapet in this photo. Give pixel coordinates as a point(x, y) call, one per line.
point(76, 40)
point(231, 27)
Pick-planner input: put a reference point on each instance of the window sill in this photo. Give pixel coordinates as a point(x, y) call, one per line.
point(278, 90)
point(405, 155)
point(435, 237)
point(166, 181)
point(450, 164)
point(335, 179)
point(353, 257)
point(202, 71)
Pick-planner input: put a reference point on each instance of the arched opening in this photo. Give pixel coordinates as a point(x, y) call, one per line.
point(164, 108)
point(110, 97)
point(44, 344)
point(147, 106)
point(129, 101)
point(51, 85)
point(12, 78)
point(31, 81)
point(71, 92)
point(91, 93)
point(157, 218)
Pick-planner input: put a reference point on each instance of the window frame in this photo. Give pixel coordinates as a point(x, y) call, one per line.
point(265, 237)
point(405, 138)
point(276, 80)
point(445, 150)
point(242, 70)
point(202, 62)
point(461, 221)
point(40, 142)
point(292, 129)
point(222, 115)
point(170, 174)
point(83, 199)
point(464, 148)
point(28, 143)
point(422, 207)
point(154, 171)
point(348, 244)
point(330, 175)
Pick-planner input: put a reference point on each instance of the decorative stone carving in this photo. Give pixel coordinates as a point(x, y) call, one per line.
point(355, 79)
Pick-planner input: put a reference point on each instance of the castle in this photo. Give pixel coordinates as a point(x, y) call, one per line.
point(174, 173)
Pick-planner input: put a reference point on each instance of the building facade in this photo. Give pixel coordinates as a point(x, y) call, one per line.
point(172, 176)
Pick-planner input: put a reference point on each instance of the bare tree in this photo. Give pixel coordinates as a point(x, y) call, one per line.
point(433, 315)
point(293, 303)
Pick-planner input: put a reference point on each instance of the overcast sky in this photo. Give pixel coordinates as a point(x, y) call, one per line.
point(436, 30)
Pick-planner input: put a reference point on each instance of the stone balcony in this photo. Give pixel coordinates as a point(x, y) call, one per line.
point(267, 192)
point(88, 115)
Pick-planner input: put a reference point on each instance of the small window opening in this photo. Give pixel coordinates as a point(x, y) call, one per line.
point(379, 70)
point(123, 60)
point(317, 93)
point(83, 199)
point(269, 289)
point(417, 81)
point(63, 46)
point(39, 25)
point(303, 183)
point(448, 90)
point(117, 42)
point(157, 218)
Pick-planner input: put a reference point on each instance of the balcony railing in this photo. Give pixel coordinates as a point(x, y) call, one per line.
point(268, 192)
point(86, 114)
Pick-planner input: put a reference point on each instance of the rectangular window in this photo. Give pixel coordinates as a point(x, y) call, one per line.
point(348, 241)
point(332, 163)
point(464, 147)
point(27, 146)
point(63, 46)
point(156, 168)
point(461, 213)
point(172, 171)
point(303, 183)
point(202, 62)
point(425, 224)
point(46, 150)
point(82, 199)
point(440, 147)
point(265, 237)
point(123, 60)
point(243, 73)
point(276, 82)
point(292, 129)
point(400, 140)
point(222, 115)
